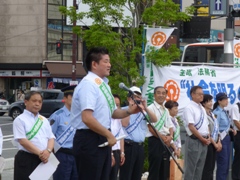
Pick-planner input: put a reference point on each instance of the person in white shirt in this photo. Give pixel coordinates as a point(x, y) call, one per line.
point(158, 155)
point(118, 148)
point(172, 107)
point(235, 115)
point(197, 139)
point(34, 137)
point(216, 144)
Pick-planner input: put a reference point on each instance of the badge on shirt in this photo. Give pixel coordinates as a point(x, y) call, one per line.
point(66, 123)
point(98, 81)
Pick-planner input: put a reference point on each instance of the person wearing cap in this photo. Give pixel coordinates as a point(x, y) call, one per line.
point(33, 135)
point(64, 134)
point(135, 127)
point(216, 144)
point(158, 156)
point(235, 115)
point(118, 148)
point(197, 138)
point(92, 108)
point(224, 122)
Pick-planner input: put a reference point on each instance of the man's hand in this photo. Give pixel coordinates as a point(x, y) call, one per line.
point(206, 141)
point(122, 159)
point(113, 161)
point(44, 155)
point(111, 139)
point(168, 140)
point(219, 144)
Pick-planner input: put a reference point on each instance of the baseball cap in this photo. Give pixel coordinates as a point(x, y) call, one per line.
point(220, 96)
point(136, 89)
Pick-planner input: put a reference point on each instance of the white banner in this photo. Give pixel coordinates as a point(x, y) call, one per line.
point(157, 37)
point(179, 80)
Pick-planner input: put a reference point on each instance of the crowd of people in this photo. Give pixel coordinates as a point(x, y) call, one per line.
point(92, 115)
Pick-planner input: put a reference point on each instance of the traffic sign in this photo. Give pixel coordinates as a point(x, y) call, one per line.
point(236, 6)
point(218, 7)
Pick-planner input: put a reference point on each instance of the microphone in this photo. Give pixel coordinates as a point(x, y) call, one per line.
point(122, 86)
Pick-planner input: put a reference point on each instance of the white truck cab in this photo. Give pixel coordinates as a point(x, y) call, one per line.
point(203, 53)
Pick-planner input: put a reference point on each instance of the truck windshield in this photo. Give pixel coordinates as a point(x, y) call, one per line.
point(203, 54)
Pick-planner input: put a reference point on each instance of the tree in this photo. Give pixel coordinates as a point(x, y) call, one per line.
point(125, 41)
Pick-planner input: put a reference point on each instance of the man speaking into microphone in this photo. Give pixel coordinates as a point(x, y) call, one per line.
point(93, 107)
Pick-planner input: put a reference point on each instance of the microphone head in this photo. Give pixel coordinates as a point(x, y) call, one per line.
point(121, 85)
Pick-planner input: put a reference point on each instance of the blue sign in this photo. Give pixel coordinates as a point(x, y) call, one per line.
point(236, 6)
point(218, 5)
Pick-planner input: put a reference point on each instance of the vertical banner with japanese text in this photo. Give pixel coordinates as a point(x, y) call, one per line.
point(156, 37)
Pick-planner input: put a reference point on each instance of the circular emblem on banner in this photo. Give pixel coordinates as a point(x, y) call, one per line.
point(237, 50)
point(98, 81)
point(158, 38)
point(173, 90)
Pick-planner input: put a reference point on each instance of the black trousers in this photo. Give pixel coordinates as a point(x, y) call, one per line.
point(159, 160)
point(209, 163)
point(115, 168)
point(93, 162)
point(236, 160)
point(134, 159)
point(24, 165)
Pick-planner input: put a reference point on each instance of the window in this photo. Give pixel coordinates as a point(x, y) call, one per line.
point(207, 54)
point(49, 95)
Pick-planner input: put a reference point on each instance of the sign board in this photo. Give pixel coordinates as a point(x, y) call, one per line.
point(218, 7)
point(236, 6)
point(72, 83)
point(24, 73)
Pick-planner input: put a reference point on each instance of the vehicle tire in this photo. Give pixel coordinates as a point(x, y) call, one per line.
point(2, 113)
point(15, 113)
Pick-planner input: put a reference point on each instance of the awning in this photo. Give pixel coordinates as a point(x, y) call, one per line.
point(64, 69)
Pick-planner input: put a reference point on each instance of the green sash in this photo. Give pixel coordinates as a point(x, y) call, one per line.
point(38, 124)
point(176, 133)
point(106, 92)
point(161, 121)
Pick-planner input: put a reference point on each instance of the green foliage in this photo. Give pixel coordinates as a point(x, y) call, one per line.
point(125, 41)
point(164, 13)
point(180, 121)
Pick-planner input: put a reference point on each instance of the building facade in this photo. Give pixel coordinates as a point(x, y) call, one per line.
point(29, 31)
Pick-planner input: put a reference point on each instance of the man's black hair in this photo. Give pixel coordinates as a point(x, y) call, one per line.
point(95, 54)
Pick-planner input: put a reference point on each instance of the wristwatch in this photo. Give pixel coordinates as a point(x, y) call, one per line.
point(49, 150)
point(122, 153)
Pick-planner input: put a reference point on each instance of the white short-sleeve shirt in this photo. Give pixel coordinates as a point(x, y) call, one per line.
point(158, 111)
point(192, 114)
point(87, 95)
point(234, 113)
point(24, 123)
point(117, 130)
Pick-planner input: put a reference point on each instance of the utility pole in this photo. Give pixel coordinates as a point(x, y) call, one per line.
point(229, 37)
point(74, 47)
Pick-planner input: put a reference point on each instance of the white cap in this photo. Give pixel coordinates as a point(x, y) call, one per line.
point(136, 89)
